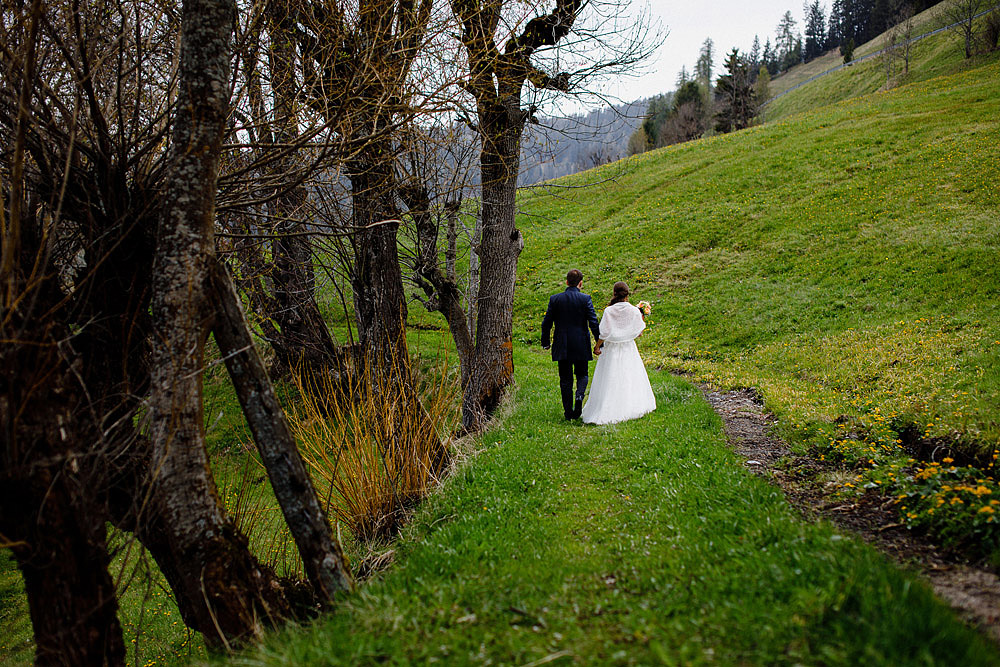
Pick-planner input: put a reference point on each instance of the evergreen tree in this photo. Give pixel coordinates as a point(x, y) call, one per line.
point(683, 76)
point(785, 39)
point(686, 120)
point(703, 68)
point(754, 60)
point(834, 33)
point(882, 13)
point(856, 21)
point(659, 109)
point(735, 95)
point(847, 50)
point(689, 92)
point(815, 43)
point(769, 58)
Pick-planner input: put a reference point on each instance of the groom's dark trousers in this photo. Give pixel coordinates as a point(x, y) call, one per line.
point(571, 313)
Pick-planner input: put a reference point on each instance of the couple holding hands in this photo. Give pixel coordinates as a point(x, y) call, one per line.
point(621, 389)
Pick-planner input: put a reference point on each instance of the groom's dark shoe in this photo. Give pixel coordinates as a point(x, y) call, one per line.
point(577, 409)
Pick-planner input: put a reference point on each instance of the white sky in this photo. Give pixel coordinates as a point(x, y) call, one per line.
point(728, 22)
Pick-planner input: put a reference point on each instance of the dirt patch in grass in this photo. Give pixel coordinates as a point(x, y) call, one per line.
point(971, 589)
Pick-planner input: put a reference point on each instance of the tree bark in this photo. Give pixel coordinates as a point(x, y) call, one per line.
point(61, 550)
point(324, 560)
point(498, 250)
point(305, 342)
point(49, 511)
point(377, 284)
point(496, 79)
point(474, 273)
point(376, 279)
point(231, 594)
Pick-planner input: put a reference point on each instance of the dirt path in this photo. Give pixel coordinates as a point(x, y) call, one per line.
point(974, 592)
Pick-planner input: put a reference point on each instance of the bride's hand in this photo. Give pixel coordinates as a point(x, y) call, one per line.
point(597, 349)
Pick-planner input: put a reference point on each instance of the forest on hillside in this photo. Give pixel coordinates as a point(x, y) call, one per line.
point(705, 104)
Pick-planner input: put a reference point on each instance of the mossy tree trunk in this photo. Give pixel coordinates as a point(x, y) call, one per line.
point(228, 594)
point(496, 80)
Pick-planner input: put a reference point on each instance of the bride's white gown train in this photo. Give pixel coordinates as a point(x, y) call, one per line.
point(620, 389)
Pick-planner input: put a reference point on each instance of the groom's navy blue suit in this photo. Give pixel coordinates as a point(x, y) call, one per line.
point(572, 313)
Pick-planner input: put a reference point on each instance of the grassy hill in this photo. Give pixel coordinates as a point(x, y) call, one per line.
point(933, 56)
point(842, 261)
point(924, 22)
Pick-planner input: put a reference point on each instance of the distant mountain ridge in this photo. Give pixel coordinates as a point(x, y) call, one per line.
point(560, 146)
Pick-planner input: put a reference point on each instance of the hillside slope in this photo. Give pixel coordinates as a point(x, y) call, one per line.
point(924, 22)
point(842, 261)
point(931, 57)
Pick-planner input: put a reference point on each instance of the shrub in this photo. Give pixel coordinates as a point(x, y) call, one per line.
point(373, 455)
point(957, 505)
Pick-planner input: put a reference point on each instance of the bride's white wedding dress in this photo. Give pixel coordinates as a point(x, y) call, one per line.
point(620, 390)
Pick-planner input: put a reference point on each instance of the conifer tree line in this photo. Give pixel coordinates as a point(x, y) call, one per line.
point(730, 102)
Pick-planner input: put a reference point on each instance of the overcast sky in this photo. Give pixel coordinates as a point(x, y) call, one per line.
point(728, 22)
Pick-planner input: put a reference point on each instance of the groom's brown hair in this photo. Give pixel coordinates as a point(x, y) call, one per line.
point(574, 277)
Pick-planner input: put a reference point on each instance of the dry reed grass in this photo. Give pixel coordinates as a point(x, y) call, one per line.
point(373, 449)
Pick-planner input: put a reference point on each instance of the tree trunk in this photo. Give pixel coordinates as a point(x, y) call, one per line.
point(61, 550)
point(49, 512)
point(50, 459)
point(452, 210)
point(322, 556)
point(472, 298)
point(376, 279)
point(305, 342)
point(496, 79)
point(440, 287)
point(501, 244)
point(234, 594)
point(379, 299)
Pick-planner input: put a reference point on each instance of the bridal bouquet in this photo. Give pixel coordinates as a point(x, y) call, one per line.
point(646, 308)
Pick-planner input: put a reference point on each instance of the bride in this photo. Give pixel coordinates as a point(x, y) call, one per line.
point(620, 390)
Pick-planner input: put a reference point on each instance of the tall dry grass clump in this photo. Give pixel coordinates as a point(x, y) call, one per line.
point(373, 452)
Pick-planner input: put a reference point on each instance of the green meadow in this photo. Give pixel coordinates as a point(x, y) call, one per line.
point(645, 543)
point(840, 261)
point(930, 57)
point(843, 262)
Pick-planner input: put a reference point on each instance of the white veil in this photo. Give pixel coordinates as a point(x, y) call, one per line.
point(621, 322)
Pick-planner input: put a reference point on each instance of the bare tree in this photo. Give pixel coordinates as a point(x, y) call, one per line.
point(496, 80)
point(86, 115)
point(232, 591)
point(685, 123)
point(960, 16)
point(357, 62)
point(896, 47)
point(436, 174)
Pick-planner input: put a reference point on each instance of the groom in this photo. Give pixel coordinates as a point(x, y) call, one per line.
point(572, 312)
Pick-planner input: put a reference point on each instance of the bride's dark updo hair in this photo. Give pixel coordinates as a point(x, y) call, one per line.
point(621, 293)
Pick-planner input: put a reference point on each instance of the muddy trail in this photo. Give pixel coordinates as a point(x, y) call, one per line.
point(970, 588)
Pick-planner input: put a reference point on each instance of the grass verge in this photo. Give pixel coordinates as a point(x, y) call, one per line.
point(842, 261)
point(642, 543)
